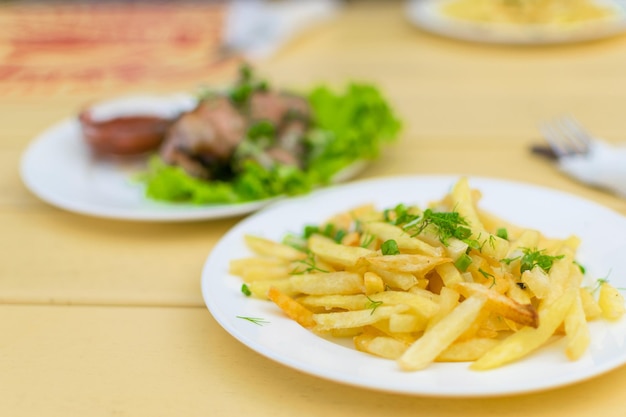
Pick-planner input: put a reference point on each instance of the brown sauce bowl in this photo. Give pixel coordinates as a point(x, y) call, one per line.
point(124, 135)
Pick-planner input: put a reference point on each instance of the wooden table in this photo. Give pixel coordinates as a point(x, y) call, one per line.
point(106, 318)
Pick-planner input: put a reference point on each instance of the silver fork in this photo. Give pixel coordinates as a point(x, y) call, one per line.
point(584, 157)
point(566, 137)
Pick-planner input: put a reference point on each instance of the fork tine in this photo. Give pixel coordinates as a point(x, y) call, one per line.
point(578, 134)
point(566, 136)
point(553, 137)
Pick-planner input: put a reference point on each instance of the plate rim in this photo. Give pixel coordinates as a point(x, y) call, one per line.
point(229, 327)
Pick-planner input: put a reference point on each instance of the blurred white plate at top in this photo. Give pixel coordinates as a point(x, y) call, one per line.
point(431, 16)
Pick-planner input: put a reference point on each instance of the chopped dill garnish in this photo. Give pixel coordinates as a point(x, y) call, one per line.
point(534, 257)
point(599, 282)
point(488, 275)
point(582, 268)
point(449, 225)
point(508, 261)
point(401, 215)
point(373, 304)
point(310, 265)
point(502, 233)
point(256, 320)
point(328, 230)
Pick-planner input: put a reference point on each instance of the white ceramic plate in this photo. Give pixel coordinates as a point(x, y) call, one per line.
point(281, 339)
point(428, 15)
point(59, 168)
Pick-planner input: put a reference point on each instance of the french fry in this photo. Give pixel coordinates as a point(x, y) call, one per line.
point(528, 339)
point(406, 243)
point(412, 263)
point(576, 330)
point(239, 266)
point(334, 302)
point(448, 300)
point(502, 305)
point(259, 273)
point(339, 282)
point(436, 339)
point(590, 305)
point(517, 292)
point(407, 323)
point(538, 282)
point(336, 254)
point(449, 274)
point(267, 247)
point(467, 350)
point(259, 289)
point(291, 308)
point(611, 302)
point(395, 279)
point(420, 305)
point(358, 318)
point(559, 276)
point(383, 346)
point(373, 283)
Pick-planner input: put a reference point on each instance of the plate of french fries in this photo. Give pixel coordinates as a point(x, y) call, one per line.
point(428, 285)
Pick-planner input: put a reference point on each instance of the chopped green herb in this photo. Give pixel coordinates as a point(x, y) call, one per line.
point(463, 262)
point(508, 261)
point(502, 233)
point(367, 239)
point(256, 320)
point(309, 264)
point(488, 275)
point(329, 231)
point(401, 215)
point(534, 258)
point(582, 268)
point(339, 235)
point(245, 290)
point(373, 304)
point(474, 244)
point(296, 242)
point(449, 225)
point(390, 247)
point(310, 231)
point(599, 282)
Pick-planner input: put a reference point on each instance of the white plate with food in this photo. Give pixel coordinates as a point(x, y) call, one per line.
point(263, 327)
point(520, 22)
point(180, 158)
point(60, 168)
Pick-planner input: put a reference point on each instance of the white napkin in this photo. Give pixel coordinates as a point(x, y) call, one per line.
point(257, 28)
point(604, 166)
